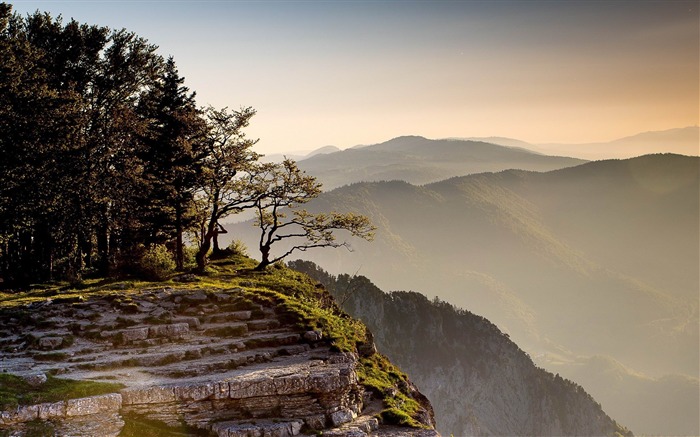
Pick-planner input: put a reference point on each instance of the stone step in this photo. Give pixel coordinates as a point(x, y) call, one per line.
point(213, 356)
point(222, 363)
point(361, 426)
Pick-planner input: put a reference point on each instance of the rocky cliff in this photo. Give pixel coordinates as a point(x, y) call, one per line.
point(238, 353)
point(479, 381)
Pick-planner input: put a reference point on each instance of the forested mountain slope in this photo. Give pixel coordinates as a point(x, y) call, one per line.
point(479, 381)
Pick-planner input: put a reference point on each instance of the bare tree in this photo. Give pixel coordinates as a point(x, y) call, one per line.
point(281, 189)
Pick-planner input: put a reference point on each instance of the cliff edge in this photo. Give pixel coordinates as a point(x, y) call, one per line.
point(234, 353)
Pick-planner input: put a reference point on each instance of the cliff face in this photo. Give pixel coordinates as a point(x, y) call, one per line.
point(223, 358)
point(479, 381)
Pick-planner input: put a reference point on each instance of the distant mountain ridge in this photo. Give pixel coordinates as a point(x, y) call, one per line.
point(420, 160)
point(683, 141)
point(596, 259)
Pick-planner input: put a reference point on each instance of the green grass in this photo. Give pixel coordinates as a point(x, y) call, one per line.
point(15, 391)
point(390, 384)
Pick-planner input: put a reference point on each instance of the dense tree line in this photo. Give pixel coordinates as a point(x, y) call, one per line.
point(105, 153)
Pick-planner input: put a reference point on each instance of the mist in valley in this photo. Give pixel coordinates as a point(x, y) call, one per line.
point(592, 269)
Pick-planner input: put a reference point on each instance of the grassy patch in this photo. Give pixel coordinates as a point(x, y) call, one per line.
point(388, 383)
point(15, 391)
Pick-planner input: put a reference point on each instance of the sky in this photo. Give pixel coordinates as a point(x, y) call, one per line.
point(346, 73)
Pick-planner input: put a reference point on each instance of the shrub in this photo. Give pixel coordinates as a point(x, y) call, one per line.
point(157, 263)
point(237, 247)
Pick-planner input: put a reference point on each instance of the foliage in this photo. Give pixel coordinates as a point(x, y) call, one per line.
point(227, 167)
point(279, 191)
point(237, 247)
point(157, 263)
point(105, 150)
point(15, 391)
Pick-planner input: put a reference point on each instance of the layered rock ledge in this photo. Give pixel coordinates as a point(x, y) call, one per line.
point(202, 362)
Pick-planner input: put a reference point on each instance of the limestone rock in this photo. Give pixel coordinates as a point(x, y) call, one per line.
point(35, 379)
point(313, 336)
point(50, 342)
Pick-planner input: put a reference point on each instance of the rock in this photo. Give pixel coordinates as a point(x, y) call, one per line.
point(341, 417)
point(186, 277)
point(174, 330)
point(313, 336)
point(134, 334)
point(316, 422)
point(241, 315)
point(148, 395)
point(35, 379)
point(198, 296)
point(109, 403)
point(50, 342)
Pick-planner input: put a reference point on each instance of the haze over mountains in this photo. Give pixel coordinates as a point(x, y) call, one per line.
point(419, 160)
point(599, 259)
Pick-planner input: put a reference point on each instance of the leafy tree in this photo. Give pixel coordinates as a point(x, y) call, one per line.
point(172, 156)
point(68, 138)
point(37, 133)
point(229, 166)
point(280, 190)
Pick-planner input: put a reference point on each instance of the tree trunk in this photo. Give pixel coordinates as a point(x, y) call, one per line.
point(201, 256)
point(265, 253)
point(215, 241)
point(103, 249)
point(205, 246)
point(179, 250)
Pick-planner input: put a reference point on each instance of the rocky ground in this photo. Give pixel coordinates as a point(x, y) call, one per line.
point(191, 360)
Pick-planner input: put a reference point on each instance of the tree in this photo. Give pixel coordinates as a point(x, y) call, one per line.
point(172, 155)
point(280, 191)
point(228, 169)
point(68, 137)
point(38, 131)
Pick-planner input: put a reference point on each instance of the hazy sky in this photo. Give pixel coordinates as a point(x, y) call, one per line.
point(362, 72)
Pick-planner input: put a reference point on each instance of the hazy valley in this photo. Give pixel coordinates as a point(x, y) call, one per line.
point(599, 259)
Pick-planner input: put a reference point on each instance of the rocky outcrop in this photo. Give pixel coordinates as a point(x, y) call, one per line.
point(199, 361)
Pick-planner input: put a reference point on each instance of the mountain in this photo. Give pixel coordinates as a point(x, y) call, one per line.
point(670, 402)
point(299, 155)
point(597, 259)
point(234, 353)
point(480, 382)
point(419, 160)
point(683, 141)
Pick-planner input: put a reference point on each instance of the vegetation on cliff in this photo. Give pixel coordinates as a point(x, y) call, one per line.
point(299, 303)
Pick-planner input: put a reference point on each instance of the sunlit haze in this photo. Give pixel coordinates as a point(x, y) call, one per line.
point(348, 73)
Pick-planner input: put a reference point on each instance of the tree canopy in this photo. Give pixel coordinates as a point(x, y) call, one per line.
point(105, 154)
